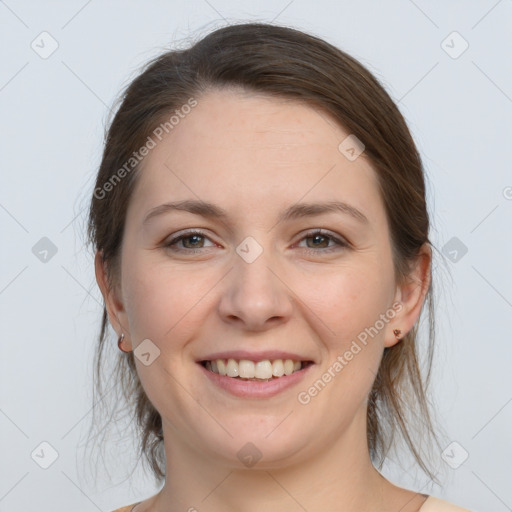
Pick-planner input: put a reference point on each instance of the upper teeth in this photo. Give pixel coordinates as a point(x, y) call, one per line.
point(249, 369)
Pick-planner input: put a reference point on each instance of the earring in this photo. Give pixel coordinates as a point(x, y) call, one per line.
point(397, 333)
point(120, 344)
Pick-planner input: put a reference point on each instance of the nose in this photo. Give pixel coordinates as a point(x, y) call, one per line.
point(255, 296)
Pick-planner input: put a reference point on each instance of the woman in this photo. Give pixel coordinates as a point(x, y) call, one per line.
point(261, 238)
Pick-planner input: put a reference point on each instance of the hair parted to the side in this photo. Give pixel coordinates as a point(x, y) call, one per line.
point(286, 63)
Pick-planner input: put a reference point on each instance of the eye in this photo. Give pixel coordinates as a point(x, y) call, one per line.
point(321, 240)
point(192, 241)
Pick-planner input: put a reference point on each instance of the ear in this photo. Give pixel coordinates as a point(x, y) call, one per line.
point(411, 295)
point(115, 309)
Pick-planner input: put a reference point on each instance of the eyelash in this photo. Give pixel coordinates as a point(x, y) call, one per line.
point(339, 242)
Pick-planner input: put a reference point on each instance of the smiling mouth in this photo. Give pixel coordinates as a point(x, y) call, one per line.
point(260, 371)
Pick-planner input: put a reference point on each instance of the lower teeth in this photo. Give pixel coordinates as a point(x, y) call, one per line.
point(255, 379)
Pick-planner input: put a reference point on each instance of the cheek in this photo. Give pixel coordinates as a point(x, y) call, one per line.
point(349, 298)
point(157, 298)
point(354, 303)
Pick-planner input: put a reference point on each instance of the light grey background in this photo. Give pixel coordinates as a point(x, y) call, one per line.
point(459, 109)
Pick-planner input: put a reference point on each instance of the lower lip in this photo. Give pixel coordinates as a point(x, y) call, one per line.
point(255, 389)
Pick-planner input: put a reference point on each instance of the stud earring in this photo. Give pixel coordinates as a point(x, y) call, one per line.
point(120, 344)
point(397, 333)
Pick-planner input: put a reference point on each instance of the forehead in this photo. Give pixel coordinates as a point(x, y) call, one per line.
point(249, 151)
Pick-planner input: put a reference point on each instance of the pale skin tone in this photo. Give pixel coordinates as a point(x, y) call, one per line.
point(255, 156)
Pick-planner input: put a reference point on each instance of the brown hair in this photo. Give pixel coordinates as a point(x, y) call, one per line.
point(287, 63)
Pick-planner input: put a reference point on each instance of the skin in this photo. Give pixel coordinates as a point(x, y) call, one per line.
point(255, 155)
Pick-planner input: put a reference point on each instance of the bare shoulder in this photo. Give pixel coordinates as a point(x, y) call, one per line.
point(128, 508)
point(433, 504)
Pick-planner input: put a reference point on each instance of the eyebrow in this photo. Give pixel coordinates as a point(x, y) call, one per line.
point(293, 212)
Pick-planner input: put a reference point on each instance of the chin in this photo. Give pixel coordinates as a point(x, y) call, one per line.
point(258, 446)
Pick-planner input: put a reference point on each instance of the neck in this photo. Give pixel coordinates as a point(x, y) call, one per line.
point(341, 477)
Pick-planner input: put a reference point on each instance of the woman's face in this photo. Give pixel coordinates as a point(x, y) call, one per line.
point(258, 283)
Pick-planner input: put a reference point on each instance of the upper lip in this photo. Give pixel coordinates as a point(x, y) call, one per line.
point(270, 355)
